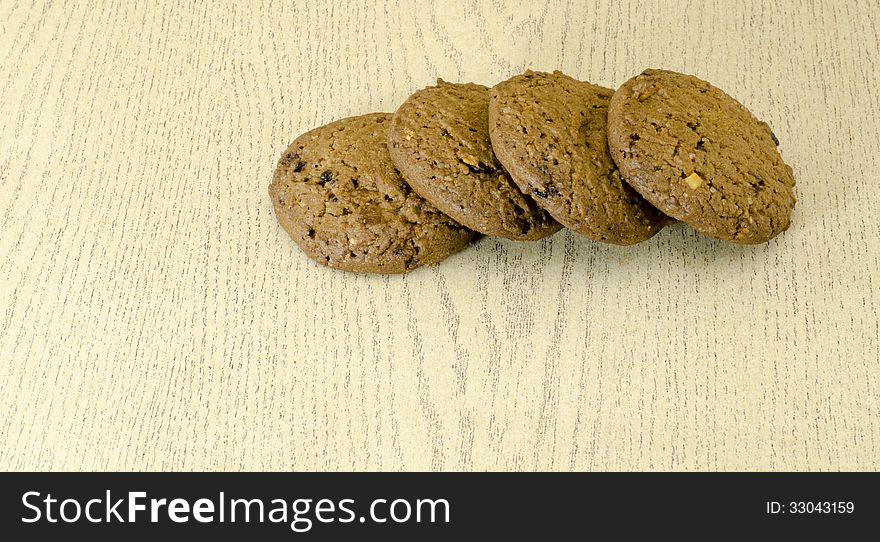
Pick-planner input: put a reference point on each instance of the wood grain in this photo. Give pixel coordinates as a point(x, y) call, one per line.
point(153, 315)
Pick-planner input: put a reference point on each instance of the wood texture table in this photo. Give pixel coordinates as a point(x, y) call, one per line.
point(153, 315)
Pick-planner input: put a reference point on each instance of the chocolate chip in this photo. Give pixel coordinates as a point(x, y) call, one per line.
point(701, 144)
point(544, 194)
point(327, 176)
point(775, 139)
point(299, 166)
point(289, 157)
point(480, 168)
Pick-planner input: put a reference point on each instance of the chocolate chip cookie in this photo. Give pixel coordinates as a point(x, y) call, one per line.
point(338, 195)
point(439, 140)
point(700, 156)
point(550, 132)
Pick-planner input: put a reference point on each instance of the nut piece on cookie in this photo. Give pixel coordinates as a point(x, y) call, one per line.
point(693, 180)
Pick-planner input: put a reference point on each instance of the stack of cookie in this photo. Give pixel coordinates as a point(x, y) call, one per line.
point(385, 193)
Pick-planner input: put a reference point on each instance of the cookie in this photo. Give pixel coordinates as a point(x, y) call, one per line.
point(337, 194)
point(700, 156)
point(550, 132)
point(439, 140)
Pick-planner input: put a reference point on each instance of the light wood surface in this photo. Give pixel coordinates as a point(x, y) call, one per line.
point(153, 315)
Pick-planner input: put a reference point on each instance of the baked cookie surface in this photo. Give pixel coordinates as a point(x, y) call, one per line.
point(338, 195)
point(439, 140)
point(700, 156)
point(550, 132)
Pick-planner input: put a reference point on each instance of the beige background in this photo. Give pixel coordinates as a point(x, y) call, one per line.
point(153, 315)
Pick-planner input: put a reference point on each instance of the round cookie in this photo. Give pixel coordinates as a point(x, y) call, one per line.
point(439, 140)
point(550, 131)
point(338, 195)
point(700, 156)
